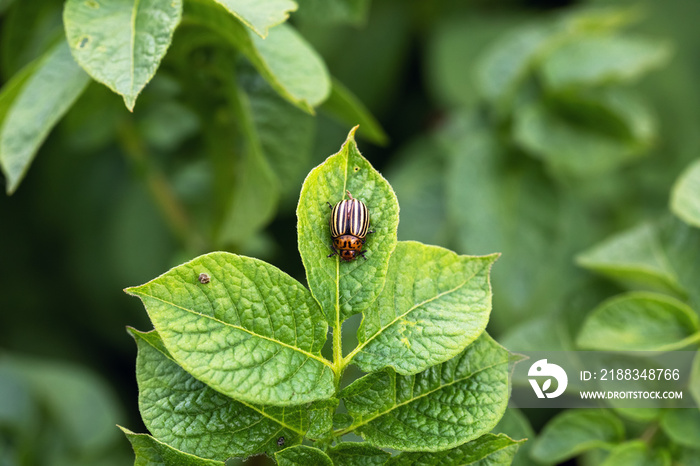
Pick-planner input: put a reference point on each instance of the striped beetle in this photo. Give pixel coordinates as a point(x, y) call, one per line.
point(349, 224)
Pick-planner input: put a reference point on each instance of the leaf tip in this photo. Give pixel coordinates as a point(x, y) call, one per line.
point(12, 179)
point(130, 102)
point(515, 358)
point(133, 290)
point(133, 332)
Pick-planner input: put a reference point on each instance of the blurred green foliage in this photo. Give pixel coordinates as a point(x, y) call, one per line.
point(562, 134)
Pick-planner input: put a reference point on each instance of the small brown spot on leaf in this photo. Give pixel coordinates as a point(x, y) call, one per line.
point(92, 4)
point(204, 278)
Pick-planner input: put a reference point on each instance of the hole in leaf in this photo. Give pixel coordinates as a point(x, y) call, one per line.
point(357, 169)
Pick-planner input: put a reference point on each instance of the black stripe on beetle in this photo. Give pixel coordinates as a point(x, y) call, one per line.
point(349, 225)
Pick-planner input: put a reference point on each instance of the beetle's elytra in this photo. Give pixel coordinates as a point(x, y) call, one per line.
point(349, 224)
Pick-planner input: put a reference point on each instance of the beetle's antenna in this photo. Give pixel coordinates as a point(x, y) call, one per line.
point(349, 195)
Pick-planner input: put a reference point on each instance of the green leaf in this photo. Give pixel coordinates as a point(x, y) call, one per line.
point(77, 404)
point(455, 44)
point(357, 454)
point(294, 66)
point(301, 455)
point(321, 418)
point(499, 201)
point(419, 182)
point(260, 15)
point(440, 408)
point(191, 417)
point(151, 452)
point(686, 456)
point(600, 19)
point(30, 106)
point(506, 63)
point(594, 60)
point(345, 288)
point(685, 197)
point(120, 43)
point(681, 244)
point(18, 411)
point(682, 426)
point(487, 450)
point(516, 426)
point(333, 12)
point(348, 109)
point(252, 333)
point(575, 148)
point(640, 321)
point(572, 432)
point(285, 133)
point(286, 61)
point(694, 383)
point(255, 192)
point(636, 453)
point(168, 124)
point(544, 333)
point(633, 257)
point(29, 29)
point(434, 304)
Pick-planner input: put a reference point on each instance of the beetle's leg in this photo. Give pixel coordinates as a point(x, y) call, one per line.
point(362, 253)
point(370, 232)
point(349, 195)
point(329, 205)
point(335, 251)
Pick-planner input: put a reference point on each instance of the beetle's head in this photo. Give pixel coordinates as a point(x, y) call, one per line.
point(348, 254)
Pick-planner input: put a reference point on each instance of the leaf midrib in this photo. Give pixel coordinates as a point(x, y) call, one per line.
point(362, 345)
point(132, 46)
point(238, 327)
point(412, 399)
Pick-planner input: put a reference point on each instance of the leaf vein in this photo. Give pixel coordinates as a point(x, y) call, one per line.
point(322, 360)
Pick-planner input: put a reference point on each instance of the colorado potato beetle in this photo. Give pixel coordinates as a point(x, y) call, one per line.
point(349, 224)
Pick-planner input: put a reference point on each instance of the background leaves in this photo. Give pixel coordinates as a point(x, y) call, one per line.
point(120, 43)
point(32, 104)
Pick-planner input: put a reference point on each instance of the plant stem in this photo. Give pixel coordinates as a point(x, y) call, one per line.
point(337, 355)
point(338, 362)
point(174, 213)
point(649, 433)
